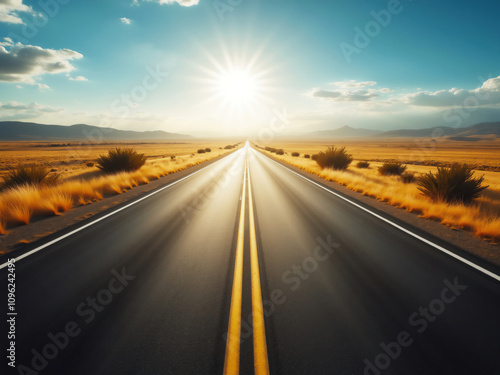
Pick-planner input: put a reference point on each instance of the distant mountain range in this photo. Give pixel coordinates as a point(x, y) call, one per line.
point(482, 129)
point(344, 132)
point(30, 131)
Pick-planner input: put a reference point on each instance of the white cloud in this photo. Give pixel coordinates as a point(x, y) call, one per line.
point(10, 9)
point(350, 91)
point(353, 84)
point(184, 3)
point(78, 78)
point(20, 111)
point(43, 86)
point(126, 21)
point(487, 94)
point(26, 63)
point(345, 95)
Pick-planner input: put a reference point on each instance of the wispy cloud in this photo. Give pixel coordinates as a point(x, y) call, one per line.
point(350, 91)
point(25, 63)
point(354, 84)
point(345, 96)
point(126, 21)
point(20, 111)
point(10, 9)
point(78, 78)
point(184, 3)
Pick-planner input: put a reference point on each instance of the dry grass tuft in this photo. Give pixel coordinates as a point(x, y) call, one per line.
point(392, 169)
point(29, 174)
point(454, 184)
point(120, 160)
point(334, 158)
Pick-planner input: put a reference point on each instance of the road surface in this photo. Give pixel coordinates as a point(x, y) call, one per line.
point(173, 284)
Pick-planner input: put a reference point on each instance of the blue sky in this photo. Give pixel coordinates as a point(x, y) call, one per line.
point(224, 67)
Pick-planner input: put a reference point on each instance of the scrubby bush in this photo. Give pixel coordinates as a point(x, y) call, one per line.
point(89, 164)
point(363, 164)
point(334, 158)
point(307, 156)
point(29, 174)
point(228, 147)
point(280, 151)
point(208, 150)
point(201, 151)
point(172, 157)
point(452, 185)
point(408, 177)
point(295, 154)
point(314, 157)
point(392, 169)
point(121, 160)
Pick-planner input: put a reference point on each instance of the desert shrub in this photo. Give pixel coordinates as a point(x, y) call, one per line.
point(334, 158)
point(295, 153)
point(280, 151)
point(408, 177)
point(363, 164)
point(392, 168)
point(307, 156)
point(314, 157)
point(208, 150)
point(453, 185)
point(89, 164)
point(29, 174)
point(121, 160)
point(172, 157)
point(201, 151)
point(228, 147)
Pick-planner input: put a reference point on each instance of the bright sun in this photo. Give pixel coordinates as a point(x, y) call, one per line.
point(237, 91)
point(237, 87)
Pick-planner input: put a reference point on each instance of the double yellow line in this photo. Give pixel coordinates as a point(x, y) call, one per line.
point(232, 359)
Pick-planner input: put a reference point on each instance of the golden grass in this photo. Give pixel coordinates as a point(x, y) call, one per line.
point(482, 217)
point(71, 160)
point(483, 155)
point(19, 205)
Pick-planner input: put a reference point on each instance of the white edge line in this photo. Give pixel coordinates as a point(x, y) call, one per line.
point(102, 218)
point(440, 248)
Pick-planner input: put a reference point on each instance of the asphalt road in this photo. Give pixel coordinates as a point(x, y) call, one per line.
point(151, 289)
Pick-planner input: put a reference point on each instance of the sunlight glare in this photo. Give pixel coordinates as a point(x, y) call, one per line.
point(237, 87)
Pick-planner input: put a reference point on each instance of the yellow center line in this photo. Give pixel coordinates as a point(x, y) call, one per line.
point(261, 362)
point(232, 359)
